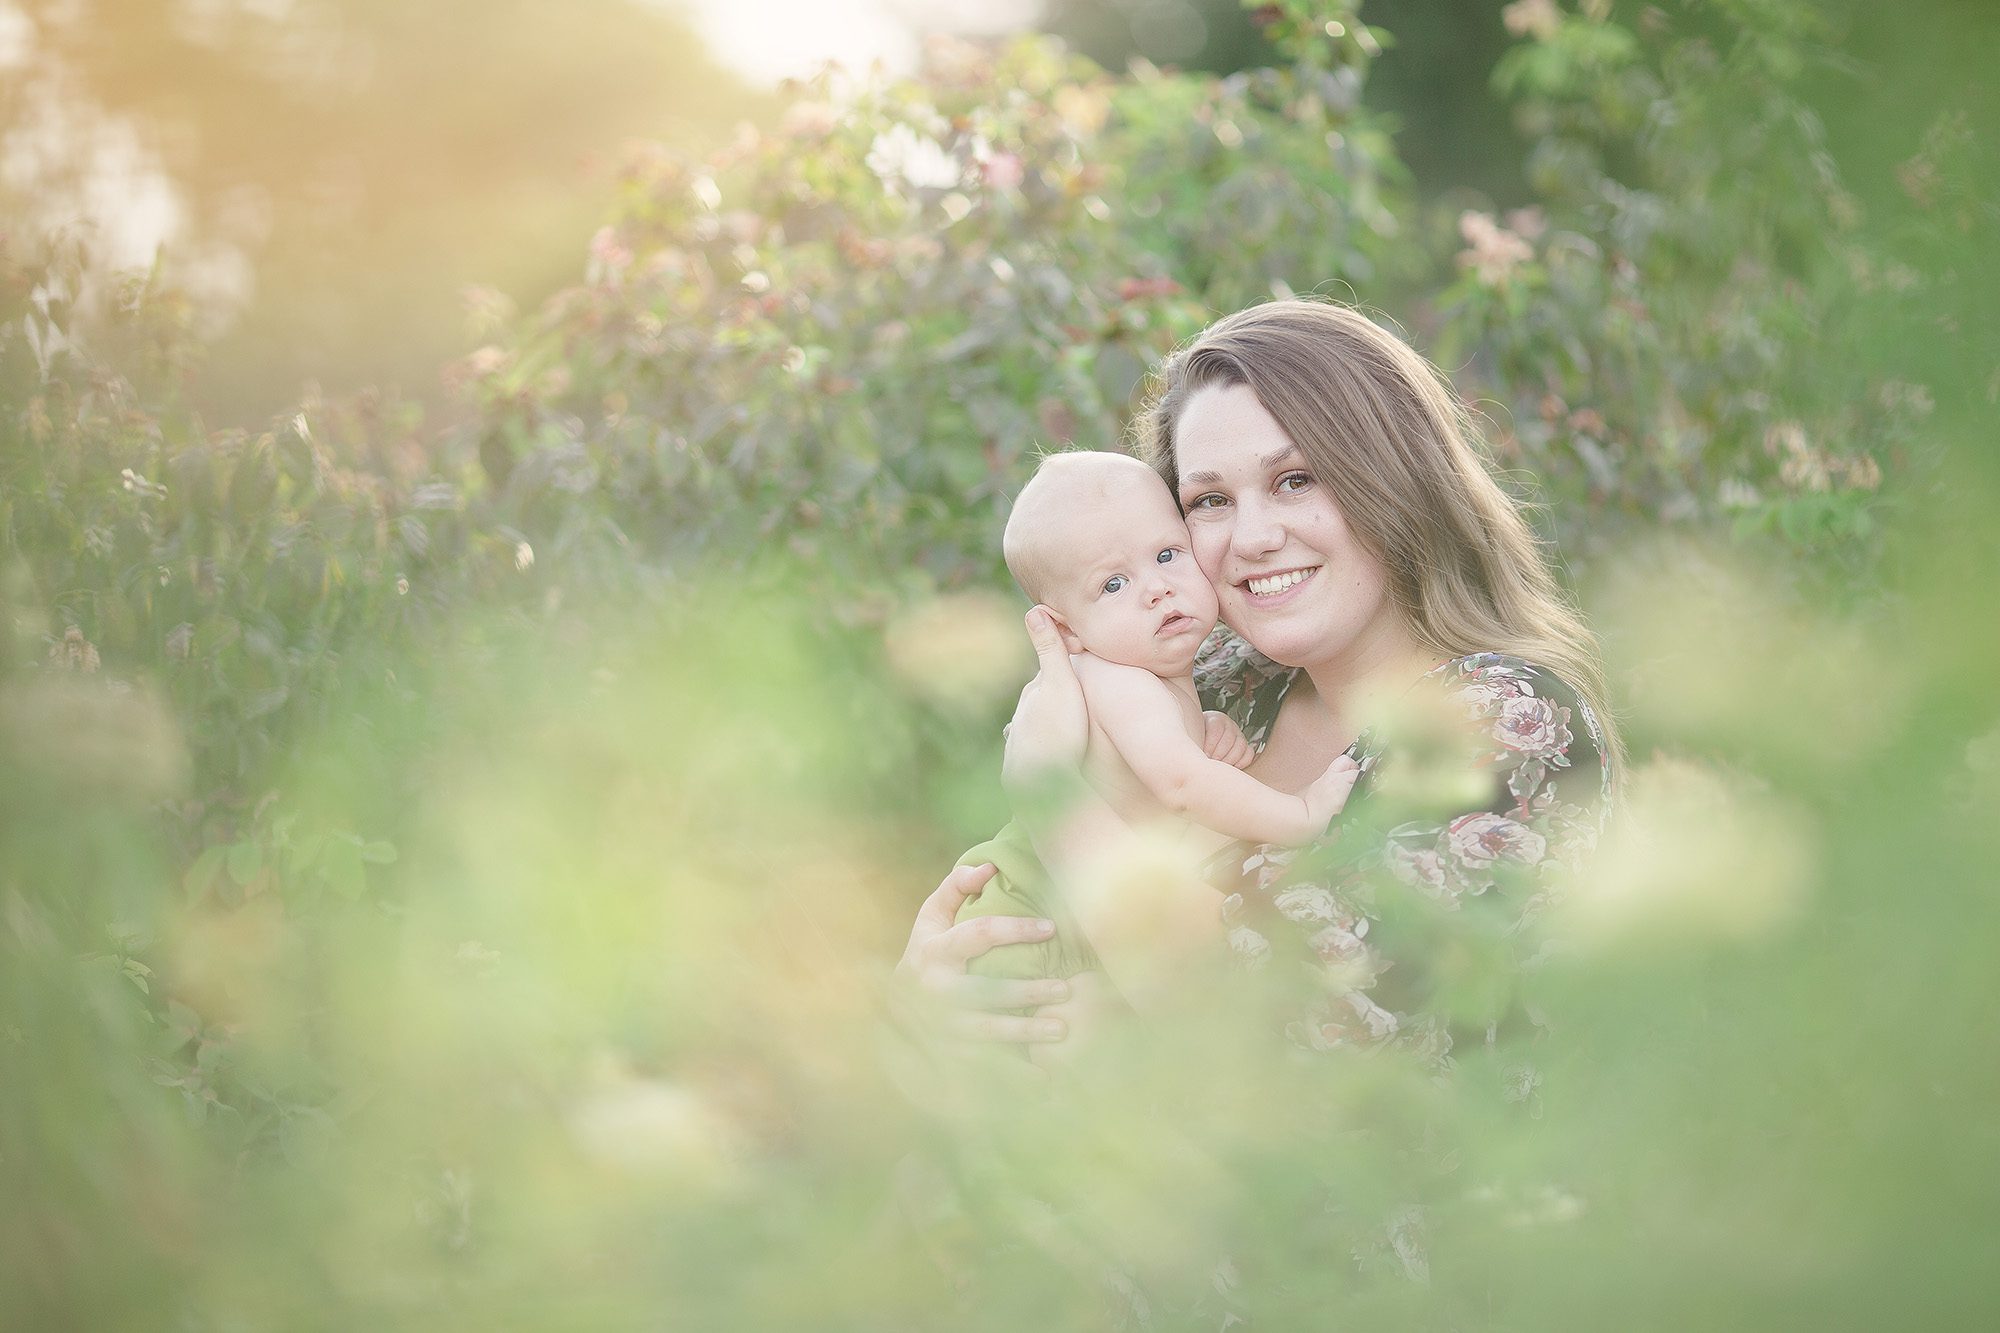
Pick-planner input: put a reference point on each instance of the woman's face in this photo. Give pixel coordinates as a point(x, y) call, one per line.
point(1289, 576)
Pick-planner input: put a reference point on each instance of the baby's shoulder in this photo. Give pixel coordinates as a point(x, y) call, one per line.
point(1115, 681)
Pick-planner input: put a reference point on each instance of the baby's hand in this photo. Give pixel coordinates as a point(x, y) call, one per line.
point(1328, 794)
point(1222, 739)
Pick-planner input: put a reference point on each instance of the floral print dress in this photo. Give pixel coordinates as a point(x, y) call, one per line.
point(1536, 803)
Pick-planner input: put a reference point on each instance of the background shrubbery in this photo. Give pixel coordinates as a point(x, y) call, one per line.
point(445, 865)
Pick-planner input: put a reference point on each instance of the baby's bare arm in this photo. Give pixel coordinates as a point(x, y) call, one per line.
point(1138, 713)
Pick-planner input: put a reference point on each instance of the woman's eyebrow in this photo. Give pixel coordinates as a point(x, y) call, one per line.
point(1267, 462)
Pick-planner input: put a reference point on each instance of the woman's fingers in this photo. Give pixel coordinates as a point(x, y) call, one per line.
point(990, 993)
point(1005, 1027)
point(944, 994)
point(968, 939)
point(940, 909)
point(1042, 632)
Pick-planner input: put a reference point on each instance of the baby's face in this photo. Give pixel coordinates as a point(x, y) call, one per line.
point(1129, 591)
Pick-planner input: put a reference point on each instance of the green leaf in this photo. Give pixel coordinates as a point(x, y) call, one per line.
point(344, 871)
point(201, 875)
point(245, 860)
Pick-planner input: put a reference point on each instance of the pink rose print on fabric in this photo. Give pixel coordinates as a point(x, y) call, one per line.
point(1307, 904)
point(1480, 840)
point(1534, 728)
point(1419, 867)
point(1483, 695)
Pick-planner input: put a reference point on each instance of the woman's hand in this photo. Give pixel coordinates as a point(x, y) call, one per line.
point(1091, 1008)
point(936, 993)
point(1051, 726)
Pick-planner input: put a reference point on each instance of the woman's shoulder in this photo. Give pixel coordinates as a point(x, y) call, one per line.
point(1232, 676)
point(1503, 675)
point(1533, 719)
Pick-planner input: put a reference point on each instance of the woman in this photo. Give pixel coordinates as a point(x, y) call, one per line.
point(1363, 556)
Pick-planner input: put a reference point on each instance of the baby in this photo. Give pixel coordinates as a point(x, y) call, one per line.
point(1097, 539)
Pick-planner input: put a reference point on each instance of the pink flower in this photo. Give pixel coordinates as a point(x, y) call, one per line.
point(1537, 18)
point(1533, 727)
point(1492, 252)
point(1003, 171)
point(1482, 839)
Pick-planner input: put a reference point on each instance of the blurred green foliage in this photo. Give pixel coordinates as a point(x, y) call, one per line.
point(327, 175)
point(446, 869)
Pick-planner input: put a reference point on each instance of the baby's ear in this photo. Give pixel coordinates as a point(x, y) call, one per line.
point(1071, 644)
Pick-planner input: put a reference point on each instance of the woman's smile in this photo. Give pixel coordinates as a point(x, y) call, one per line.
point(1271, 589)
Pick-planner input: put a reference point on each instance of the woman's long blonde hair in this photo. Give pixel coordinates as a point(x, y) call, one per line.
point(1379, 427)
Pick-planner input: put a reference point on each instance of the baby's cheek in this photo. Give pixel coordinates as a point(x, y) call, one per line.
point(1209, 549)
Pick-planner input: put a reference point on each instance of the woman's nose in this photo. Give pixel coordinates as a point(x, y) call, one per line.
point(1256, 531)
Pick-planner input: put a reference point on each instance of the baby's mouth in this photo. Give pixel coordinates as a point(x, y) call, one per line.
point(1270, 585)
point(1173, 624)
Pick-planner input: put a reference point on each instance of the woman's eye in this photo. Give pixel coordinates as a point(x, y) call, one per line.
point(1166, 556)
point(1209, 501)
point(1114, 583)
point(1295, 481)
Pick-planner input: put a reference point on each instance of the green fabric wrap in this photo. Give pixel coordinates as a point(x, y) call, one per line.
point(1021, 887)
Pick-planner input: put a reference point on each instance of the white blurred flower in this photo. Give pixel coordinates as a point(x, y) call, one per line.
point(1737, 494)
point(1980, 793)
point(901, 156)
point(809, 120)
point(1083, 109)
point(651, 1126)
point(139, 486)
point(963, 649)
point(1696, 855)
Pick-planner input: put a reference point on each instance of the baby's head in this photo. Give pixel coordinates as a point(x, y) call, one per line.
point(1097, 538)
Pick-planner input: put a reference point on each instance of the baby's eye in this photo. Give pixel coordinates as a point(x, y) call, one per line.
point(1165, 557)
point(1295, 481)
point(1114, 583)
